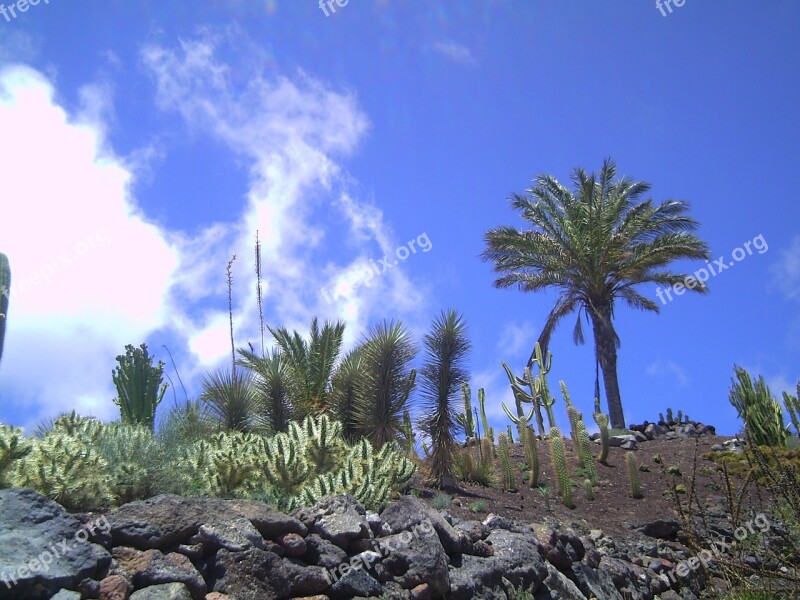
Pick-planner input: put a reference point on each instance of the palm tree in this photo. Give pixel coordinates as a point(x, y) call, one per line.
point(383, 392)
point(230, 397)
point(446, 349)
point(594, 245)
point(311, 364)
point(274, 386)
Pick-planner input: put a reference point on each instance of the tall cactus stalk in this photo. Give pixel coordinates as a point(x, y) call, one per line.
point(505, 463)
point(559, 458)
point(543, 397)
point(528, 440)
point(605, 437)
point(482, 404)
point(408, 434)
point(633, 474)
point(139, 386)
point(465, 419)
point(5, 295)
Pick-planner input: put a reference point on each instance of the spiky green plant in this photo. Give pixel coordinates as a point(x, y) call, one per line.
point(488, 431)
point(559, 459)
point(521, 396)
point(67, 470)
point(633, 474)
point(273, 385)
point(596, 244)
point(408, 434)
point(311, 363)
point(587, 488)
point(13, 447)
point(574, 424)
point(5, 296)
point(344, 396)
point(510, 435)
point(231, 399)
point(670, 418)
point(680, 417)
point(583, 447)
point(139, 386)
point(185, 424)
point(543, 362)
point(384, 391)
point(528, 441)
point(760, 411)
point(508, 481)
point(446, 349)
point(792, 404)
point(605, 436)
point(466, 419)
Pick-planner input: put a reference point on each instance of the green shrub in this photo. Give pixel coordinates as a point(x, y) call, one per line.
point(442, 501)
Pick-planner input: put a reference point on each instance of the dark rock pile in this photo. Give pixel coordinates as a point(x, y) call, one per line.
point(176, 548)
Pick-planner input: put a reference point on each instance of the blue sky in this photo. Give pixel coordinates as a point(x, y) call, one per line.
point(142, 144)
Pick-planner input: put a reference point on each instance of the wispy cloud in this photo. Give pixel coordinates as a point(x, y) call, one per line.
point(455, 52)
point(661, 367)
point(786, 273)
point(516, 337)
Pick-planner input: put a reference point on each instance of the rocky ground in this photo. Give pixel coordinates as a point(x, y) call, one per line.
point(609, 548)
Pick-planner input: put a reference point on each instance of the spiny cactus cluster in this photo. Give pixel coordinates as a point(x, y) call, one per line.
point(85, 464)
point(528, 440)
point(761, 413)
point(296, 468)
point(538, 393)
point(139, 387)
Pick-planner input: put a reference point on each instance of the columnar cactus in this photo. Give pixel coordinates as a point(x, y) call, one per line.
point(510, 435)
point(541, 389)
point(525, 397)
point(408, 434)
point(584, 448)
point(587, 487)
point(508, 482)
point(559, 459)
point(5, 295)
point(792, 404)
point(633, 474)
point(485, 421)
point(528, 441)
point(139, 386)
point(465, 419)
point(605, 437)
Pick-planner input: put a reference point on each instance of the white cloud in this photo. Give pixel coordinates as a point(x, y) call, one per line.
point(669, 368)
point(517, 337)
point(457, 53)
point(81, 286)
point(786, 273)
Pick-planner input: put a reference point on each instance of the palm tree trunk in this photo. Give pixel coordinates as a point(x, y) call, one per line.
point(606, 351)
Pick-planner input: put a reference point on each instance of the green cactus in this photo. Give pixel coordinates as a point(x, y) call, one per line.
point(584, 449)
point(465, 419)
point(792, 404)
point(587, 486)
point(484, 420)
point(5, 296)
point(525, 397)
point(680, 416)
point(605, 437)
point(574, 423)
point(661, 420)
point(761, 413)
point(670, 420)
point(510, 435)
point(633, 474)
point(139, 386)
point(408, 434)
point(13, 447)
point(541, 389)
point(528, 440)
point(559, 459)
point(508, 482)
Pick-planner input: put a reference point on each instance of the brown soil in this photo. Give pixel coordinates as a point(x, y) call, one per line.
point(613, 509)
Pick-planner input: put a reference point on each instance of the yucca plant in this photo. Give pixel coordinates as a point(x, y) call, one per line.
point(384, 391)
point(344, 396)
point(139, 386)
point(594, 243)
point(444, 370)
point(231, 399)
point(311, 363)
